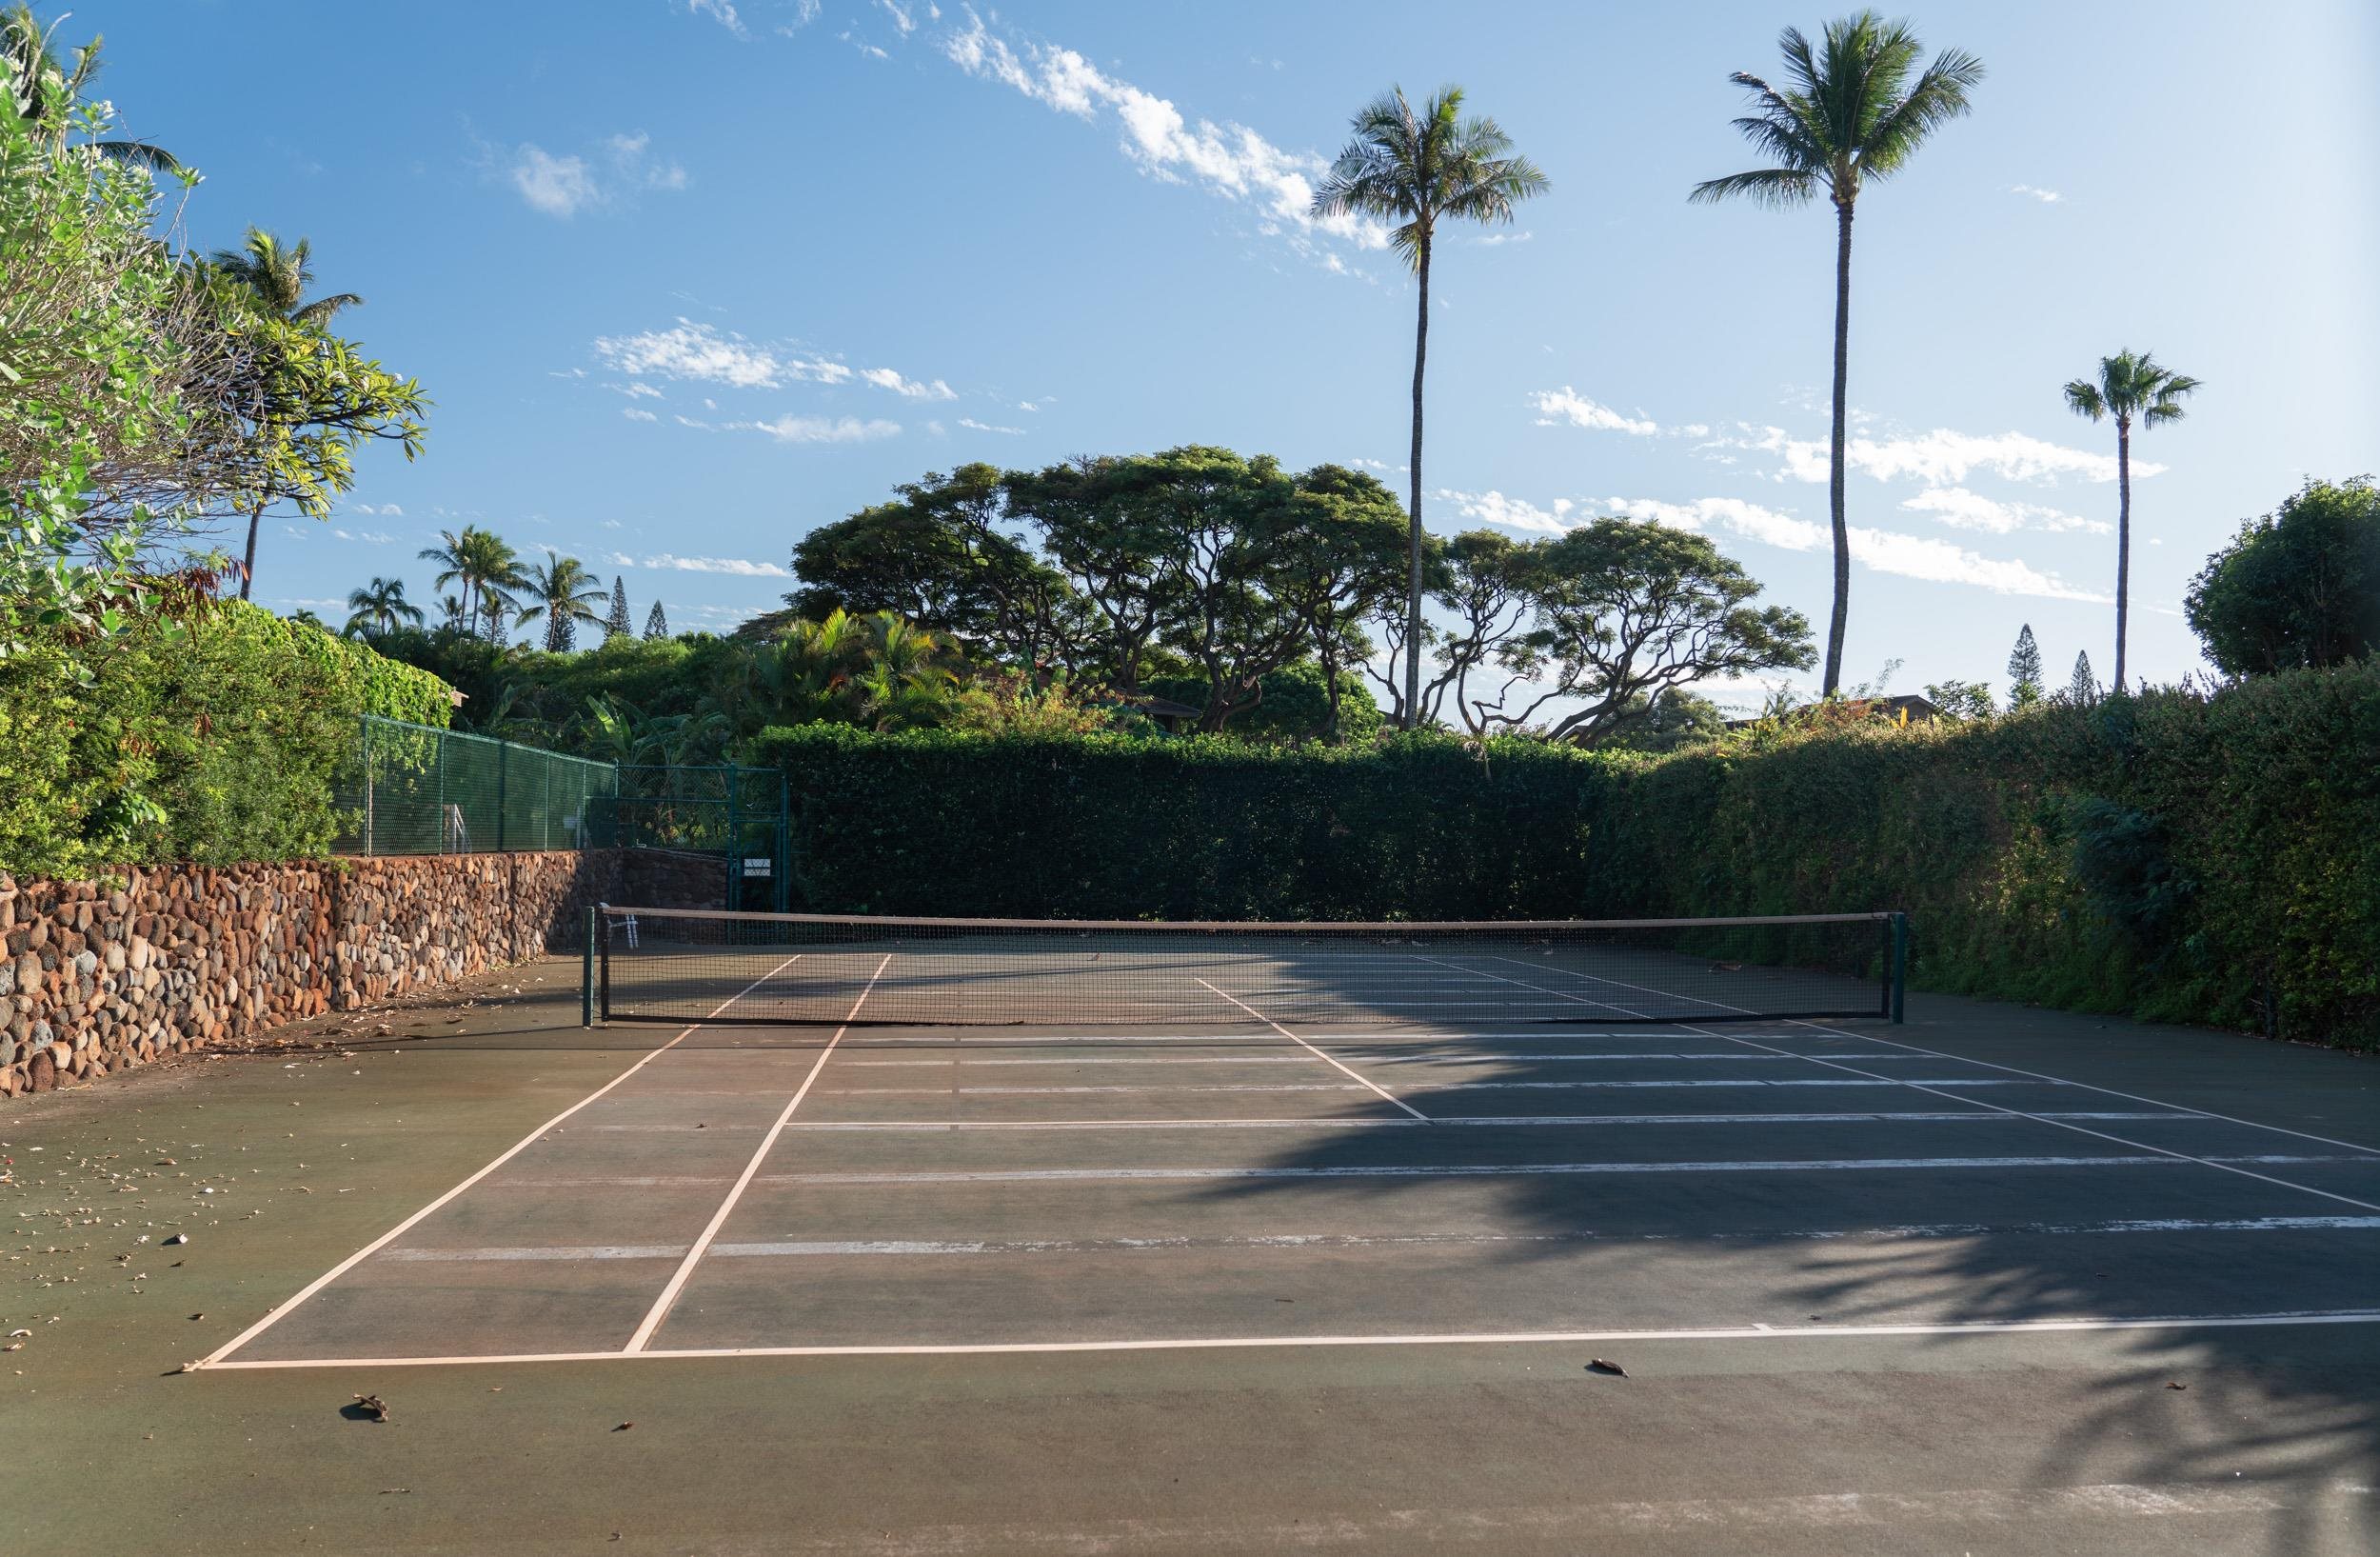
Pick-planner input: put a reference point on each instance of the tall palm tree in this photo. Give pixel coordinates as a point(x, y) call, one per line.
point(486, 567)
point(2130, 387)
point(1411, 168)
point(46, 90)
point(564, 593)
point(276, 275)
point(381, 606)
point(1854, 109)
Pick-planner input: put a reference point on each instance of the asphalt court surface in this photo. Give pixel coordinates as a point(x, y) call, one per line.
point(782, 1191)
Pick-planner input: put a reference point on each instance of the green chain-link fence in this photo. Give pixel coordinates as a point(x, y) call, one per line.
point(412, 790)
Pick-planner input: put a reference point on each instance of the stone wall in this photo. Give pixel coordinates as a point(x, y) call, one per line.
point(97, 976)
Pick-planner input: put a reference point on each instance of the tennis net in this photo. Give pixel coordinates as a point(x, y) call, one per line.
point(694, 966)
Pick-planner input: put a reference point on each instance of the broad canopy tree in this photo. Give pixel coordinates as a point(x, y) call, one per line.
point(1116, 569)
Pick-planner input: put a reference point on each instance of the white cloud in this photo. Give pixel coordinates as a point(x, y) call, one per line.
point(904, 17)
point(1566, 405)
point(1937, 458)
point(737, 565)
point(986, 426)
point(1494, 507)
point(685, 420)
point(386, 511)
point(886, 378)
point(1229, 159)
point(557, 186)
point(1963, 509)
point(635, 390)
point(821, 430)
point(638, 415)
point(1497, 240)
point(368, 537)
point(722, 11)
point(2048, 197)
point(1884, 550)
point(564, 186)
point(804, 13)
point(698, 352)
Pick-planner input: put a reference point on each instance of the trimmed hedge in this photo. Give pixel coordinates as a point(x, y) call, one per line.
point(2170, 855)
point(215, 742)
point(1112, 826)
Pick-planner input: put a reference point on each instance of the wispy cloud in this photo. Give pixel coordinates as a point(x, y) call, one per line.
point(636, 413)
point(564, 186)
point(740, 566)
point(986, 426)
point(385, 511)
point(1497, 240)
point(368, 537)
point(1494, 507)
point(886, 378)
point(1941, 457)
point(820, 429)
point(2048, 197)
point(1567, 406)
point(722, 11)
point(1228, 159)
point(1963, 509)
point(698, 352)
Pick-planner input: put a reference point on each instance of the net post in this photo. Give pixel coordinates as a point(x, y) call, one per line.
point(1896, 986)
point(602, 918)
point(586, 975)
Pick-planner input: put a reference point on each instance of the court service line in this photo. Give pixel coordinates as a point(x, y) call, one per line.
point(274, 1316)
point(1733, 1332)
point(1506, 1170)
point(1311, 1050)
point(1493, 1121)
point(663, 1303)
point(2220, 1167)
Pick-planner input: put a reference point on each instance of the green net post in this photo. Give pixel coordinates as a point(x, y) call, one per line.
point(586, 976)
point(1897, 986)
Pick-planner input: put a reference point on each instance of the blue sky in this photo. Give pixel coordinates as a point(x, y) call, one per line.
point(686, 280)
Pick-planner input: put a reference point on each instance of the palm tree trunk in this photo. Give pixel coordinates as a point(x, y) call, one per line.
point(1835, 459)
point(1413, 577)
point(2123, 540)
point(248, 563)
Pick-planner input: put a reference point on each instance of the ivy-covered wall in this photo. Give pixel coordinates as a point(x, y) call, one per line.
point(215, 741)
point(2171, 855)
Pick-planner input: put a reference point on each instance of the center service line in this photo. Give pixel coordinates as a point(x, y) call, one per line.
point(1311, 1050)
point(685, 1268)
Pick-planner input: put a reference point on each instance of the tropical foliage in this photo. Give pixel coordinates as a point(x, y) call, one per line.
point(1850, 110)
point(1410, 168)
point(2300, 587)
point(2130, 389)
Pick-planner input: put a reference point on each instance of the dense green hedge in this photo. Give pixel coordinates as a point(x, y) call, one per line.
point(2171, 855)
point(1123, 828)
point(217, 741)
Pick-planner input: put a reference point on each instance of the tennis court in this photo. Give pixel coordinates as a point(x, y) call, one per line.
point(1361, 1135)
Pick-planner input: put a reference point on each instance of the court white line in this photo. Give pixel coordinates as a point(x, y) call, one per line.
point(2225, 1164)
point(274, 1316)
point(1451, 1121)
point(1940, 1054)
point(1499, 1170)
point(1736, 1332)
point(1315, 1052)
point(1425, 1088)
point(661, 1304)
point(971, 1062)
point(795, 1249)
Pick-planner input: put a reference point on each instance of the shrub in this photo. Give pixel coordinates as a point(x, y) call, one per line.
point(217, 740)
point(2297, 588)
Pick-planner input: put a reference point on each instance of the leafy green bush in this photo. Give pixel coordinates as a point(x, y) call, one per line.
point(216, 740)
point(2296, 588)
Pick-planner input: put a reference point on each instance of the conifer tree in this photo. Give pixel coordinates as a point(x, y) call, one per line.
point(2084, 689)
point(2024, 669)
point(656, 625)
point(618, 625)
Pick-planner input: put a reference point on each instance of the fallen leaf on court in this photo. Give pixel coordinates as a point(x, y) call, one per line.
point(372, 1407)
point(1727, 967)
point(386, 1490)
point(198, 1316)
point(624, 1427)
point(1604, 1364)
point(2175, 1384)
